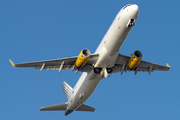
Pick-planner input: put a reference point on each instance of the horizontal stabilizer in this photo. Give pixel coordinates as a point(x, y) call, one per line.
point(62, 106)
point(85, 108)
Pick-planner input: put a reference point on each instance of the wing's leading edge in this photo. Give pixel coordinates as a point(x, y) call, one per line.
point(143, 65)
point(68, 63)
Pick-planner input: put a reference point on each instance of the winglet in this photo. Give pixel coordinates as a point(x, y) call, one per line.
point(167, 65)
point(11, 62)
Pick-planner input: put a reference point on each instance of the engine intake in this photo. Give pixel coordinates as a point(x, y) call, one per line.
point(135, 59)
point(82, 58)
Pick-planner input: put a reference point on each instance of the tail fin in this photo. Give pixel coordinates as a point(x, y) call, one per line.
point(67, 90)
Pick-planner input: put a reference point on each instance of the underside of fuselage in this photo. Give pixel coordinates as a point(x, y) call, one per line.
point(108, 51)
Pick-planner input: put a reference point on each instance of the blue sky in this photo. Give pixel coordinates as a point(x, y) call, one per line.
point(41, 30)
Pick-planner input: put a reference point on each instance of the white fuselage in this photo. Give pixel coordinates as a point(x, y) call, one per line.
point(108, 51)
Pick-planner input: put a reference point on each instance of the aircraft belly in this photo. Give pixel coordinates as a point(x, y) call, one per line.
point(89, 87)
point(108, 51)
point(116, 37)
point(104, 59)
point(83, 91)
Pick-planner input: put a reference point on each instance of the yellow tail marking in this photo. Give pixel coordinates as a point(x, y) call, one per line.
point(11, 62)
point(167, 65)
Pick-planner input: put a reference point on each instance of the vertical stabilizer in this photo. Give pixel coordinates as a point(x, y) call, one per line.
point(67, 90)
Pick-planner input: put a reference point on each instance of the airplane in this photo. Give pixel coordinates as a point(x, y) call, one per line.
point(94, 67)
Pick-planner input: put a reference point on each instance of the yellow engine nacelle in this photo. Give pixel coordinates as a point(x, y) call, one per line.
point(82, 58)
point(135, 59)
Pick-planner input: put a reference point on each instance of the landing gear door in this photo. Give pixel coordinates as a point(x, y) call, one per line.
point(130, 23)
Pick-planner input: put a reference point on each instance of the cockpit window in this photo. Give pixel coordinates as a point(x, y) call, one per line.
point(126, 6)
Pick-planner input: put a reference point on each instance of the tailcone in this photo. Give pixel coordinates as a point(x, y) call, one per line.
point(68, 112)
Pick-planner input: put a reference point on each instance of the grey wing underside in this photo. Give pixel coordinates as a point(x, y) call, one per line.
point(68, 63)
point(122, 61)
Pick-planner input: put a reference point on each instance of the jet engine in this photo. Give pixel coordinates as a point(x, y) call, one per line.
point(135, 59)
point(82, 58)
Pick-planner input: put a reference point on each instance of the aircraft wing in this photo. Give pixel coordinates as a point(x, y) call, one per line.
point(64, 63)
point(122, 61)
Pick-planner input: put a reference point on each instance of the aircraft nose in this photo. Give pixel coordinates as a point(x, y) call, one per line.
point(135, 8)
